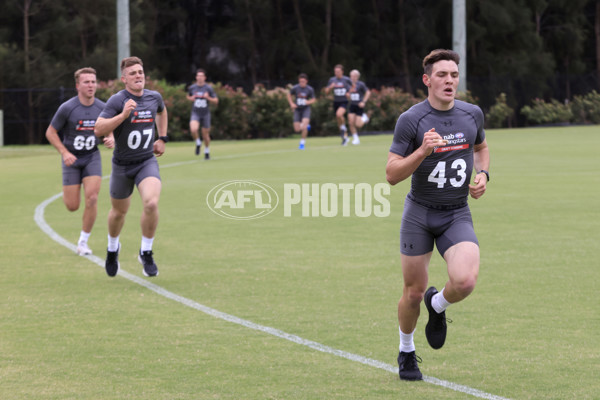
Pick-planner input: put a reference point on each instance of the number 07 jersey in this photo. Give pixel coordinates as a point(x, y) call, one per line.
point(134, 137)
point(443, 177)
point(75, 123)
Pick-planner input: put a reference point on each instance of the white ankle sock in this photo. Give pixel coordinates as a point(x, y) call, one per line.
point(439, 302)
point(113, 243)
point(407, 343)
point(146, 243)
point(84, 236)
point(198, 142)
point(206, 150)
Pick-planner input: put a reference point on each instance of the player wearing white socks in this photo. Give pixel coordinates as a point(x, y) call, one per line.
point(81, 163)
point(358, 95)
point(439, 142)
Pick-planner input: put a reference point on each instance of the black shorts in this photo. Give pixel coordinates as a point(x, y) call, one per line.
point(422, 226)
point(338, 104)
point(123, 177)
point(355, 109)
point(84, 166)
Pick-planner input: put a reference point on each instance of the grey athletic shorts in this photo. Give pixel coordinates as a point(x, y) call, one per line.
point(301, 113)
point(422, 226)
point(87, 165)
point(123, 177)
point(204, 120)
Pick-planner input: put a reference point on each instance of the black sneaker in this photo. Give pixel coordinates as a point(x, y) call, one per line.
point(198, 149)
point(408, 368)
point(207, 156)
point(112, 262)
point(435, 330)
point(145, 258)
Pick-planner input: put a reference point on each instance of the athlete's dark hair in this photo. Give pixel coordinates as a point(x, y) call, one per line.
point(86, 70)
point(438, 55)
point(303, 76)
point(339, 66)
point(201, 70)
point(129, 61)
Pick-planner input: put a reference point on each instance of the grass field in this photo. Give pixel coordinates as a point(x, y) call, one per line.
point(529, 331)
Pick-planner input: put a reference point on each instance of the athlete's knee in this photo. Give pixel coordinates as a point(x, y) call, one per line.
point(151, 205)
point(91, 200)
point(71, 202)
point(414, 294)
point(465, 284)
point(72, 205)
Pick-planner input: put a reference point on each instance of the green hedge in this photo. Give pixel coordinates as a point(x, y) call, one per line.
point(266, 113)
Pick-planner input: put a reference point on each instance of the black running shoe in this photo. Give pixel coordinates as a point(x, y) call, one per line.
point(112, 262)
point(207, 156)
point(435, 330)
point(145, 258)
point(198, 149)
point(408, 368)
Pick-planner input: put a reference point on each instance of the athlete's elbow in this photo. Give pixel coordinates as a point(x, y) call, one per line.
point(391, 178)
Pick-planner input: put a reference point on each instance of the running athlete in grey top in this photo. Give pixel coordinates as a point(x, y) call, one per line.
point(81, 161)
point(201, 94)
point(358, 95)
point(340, 84)
point(134, 114)
point(135, 136)
point(438, 142)
point(304, 96)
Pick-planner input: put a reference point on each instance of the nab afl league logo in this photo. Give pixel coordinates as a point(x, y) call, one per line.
point(244, 199)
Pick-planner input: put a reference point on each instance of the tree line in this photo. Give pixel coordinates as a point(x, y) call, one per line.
point(526, 49)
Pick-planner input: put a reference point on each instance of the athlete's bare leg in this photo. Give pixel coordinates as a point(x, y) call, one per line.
point(72, 196)
point(463, 269)
point(116, 215)
point(91, 188)
point(194, 128)
point(206, 136)
point(415, 274)
point(149, 189)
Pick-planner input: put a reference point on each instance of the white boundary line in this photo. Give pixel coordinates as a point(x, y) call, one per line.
point(47, 229)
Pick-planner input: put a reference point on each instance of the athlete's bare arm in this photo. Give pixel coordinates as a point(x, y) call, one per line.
point(53, 138)
point(291, 101)
point(162, 122)
point(399, 168)
point(481, 161)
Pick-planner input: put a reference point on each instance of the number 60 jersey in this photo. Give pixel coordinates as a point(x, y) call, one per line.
point(134, 138)
point(75, 123)
point(443, 177)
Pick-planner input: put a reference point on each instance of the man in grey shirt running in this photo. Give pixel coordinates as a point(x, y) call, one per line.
point(439, 142)
point(201, 94)
point(81, 163)
point(134, 114)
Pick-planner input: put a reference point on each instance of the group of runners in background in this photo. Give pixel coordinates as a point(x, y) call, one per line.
point(349, 94)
